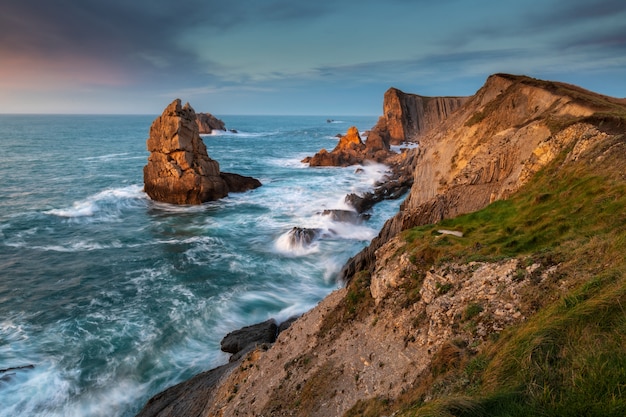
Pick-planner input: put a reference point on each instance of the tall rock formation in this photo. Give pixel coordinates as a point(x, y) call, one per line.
point(179, 170)
point(407, 116)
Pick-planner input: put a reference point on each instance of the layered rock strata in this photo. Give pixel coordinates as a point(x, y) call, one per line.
point(512, 127)
point(179, 169)
point(408, 116)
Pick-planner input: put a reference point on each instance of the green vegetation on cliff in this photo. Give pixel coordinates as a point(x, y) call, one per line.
point(569, 357)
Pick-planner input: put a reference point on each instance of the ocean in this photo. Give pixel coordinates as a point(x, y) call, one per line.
point(107, 298)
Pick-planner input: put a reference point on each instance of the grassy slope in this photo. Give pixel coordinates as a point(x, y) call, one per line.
point(570, 357)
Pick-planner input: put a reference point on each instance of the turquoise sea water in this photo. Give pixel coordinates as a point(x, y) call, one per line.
point(113, 297)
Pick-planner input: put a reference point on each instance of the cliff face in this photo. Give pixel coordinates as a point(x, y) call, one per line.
point(408, 116)
point(410, 311)
point(511, 128)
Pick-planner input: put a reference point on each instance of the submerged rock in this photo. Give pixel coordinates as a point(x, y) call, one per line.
point(345, 216)
point(179, 169)
point(302, 236)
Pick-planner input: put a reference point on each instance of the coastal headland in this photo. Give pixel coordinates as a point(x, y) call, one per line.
point(497, 289)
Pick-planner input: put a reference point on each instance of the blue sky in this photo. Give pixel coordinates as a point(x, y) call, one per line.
point(294, 57)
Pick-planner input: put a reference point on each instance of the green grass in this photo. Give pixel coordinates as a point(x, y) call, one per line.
point(551, 215)
point(568, 359)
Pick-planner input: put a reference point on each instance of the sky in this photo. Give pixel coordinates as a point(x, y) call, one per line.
point(284, 57)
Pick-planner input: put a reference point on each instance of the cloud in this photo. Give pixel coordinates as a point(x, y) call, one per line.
point(217, 48)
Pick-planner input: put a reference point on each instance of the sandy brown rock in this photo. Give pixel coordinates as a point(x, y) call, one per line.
point(207, 123)
point(351, 150)
point(407, 116)
point(179, 169)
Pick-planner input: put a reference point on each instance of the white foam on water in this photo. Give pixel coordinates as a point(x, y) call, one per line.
point(287, 245)
point(112, 157)
point(43, 390)
point(80, 246)
point(79, 209)
point(107, 203)
point(238, 133)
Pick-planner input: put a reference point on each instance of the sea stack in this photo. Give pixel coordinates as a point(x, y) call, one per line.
point(179, 169)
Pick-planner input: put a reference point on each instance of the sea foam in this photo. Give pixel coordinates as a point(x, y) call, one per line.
point(108, 202)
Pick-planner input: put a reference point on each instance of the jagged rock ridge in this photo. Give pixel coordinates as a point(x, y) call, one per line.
point(512, 127)
point(179, 169)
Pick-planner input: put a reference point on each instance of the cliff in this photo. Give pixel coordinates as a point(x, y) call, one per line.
point(409, 116)
point(496, 290)
point(511, 128)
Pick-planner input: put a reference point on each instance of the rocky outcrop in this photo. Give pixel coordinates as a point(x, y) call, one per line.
point(351, 150)
point(239, 183)
point(179, 169)
point(239, 340)
point(207, 123)
point(408, 116)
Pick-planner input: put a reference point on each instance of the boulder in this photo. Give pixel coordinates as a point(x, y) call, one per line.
point(179, 169)
point(238, 183)
point(302, 236)
point(257, 334)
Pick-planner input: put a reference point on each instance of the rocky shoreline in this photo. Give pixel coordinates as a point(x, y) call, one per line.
point(401, 318)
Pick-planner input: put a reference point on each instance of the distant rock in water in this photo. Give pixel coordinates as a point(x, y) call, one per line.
point(351, 151)
point(179, 169)
point(207, 123)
